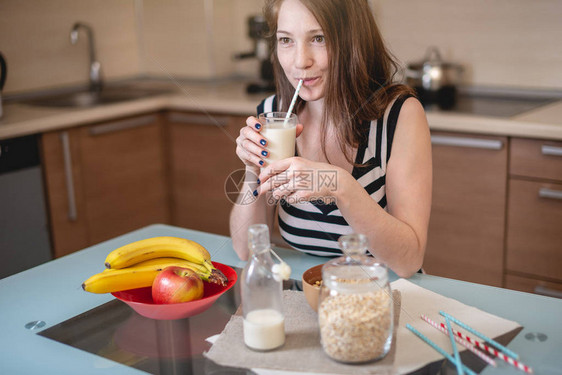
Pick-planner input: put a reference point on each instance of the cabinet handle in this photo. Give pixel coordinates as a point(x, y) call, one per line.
point(551, 150)
point(186, 118)
point(550, 193)
point(543, 290)
point(487, 144)
point(116, 126)
point(72, 214)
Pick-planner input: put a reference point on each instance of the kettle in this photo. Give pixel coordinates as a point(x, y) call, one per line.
point(434, 80)
point(3, 72)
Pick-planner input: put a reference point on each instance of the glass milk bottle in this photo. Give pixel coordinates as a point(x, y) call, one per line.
point(355, 312)
point(262, 294)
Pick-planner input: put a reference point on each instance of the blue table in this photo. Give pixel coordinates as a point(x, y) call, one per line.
point(52, 293)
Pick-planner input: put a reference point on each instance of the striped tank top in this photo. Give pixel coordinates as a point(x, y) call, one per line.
point(314, 227)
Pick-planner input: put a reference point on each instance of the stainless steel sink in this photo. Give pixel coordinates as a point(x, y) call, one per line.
point(90, 99)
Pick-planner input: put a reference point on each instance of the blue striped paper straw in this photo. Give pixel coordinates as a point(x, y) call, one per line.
point(437, 348)
point(455, 350)
point(480, 335)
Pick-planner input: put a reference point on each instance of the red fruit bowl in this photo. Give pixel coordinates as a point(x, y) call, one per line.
point(140, 299)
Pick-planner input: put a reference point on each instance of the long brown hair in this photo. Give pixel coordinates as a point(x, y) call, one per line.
point(361, 70)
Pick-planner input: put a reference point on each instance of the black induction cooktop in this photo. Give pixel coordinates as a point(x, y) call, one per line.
point(503, 106)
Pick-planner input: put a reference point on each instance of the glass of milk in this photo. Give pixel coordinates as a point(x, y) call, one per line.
point(280, 133)
point(262, 295)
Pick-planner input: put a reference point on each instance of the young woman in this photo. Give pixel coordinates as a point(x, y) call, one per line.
point(363, 150)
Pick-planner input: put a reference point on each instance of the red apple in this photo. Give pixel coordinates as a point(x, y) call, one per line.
point(176, 284)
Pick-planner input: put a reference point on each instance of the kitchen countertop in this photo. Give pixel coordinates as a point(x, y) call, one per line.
point(230, 97)
point(51, 293)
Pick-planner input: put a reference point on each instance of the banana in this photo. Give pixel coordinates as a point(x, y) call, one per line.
point(116, 280)
point(158, 247)
point(143, 274)
point(211, 275)
point(135, 265)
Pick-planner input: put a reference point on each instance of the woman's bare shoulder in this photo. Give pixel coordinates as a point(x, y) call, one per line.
point(412, 107)
point(412, 129)
point(412, 114)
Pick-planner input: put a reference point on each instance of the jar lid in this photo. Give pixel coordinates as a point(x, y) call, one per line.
point(355, 272)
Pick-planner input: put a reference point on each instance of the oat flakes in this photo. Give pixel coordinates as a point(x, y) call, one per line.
point(356, 327)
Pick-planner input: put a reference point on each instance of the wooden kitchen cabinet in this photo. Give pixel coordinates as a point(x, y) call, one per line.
point(536, 159)
point(532, 285)
point(466, 231)
point(202, 155)
point(534, 221)
point(104, 180)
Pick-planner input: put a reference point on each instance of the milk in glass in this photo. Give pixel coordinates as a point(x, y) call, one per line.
point(264, 329)
point(262, 294)
point(280, 134)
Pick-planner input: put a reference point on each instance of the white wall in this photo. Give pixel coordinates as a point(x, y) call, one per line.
point(512, 43)
point(198, 38)
point(508, 43)
point(34, 38)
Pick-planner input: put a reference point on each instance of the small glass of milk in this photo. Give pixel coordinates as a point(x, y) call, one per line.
point(262, 294)
point(280, 133)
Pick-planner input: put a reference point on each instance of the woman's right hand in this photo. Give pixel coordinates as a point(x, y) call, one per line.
point(250, 145)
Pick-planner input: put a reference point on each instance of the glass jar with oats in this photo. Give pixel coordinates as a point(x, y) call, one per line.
point(355, 312)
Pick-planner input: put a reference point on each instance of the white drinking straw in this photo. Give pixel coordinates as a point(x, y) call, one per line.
point(292, 103)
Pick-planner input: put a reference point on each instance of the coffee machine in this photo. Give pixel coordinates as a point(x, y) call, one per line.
point(3, 74)
point(257, 31)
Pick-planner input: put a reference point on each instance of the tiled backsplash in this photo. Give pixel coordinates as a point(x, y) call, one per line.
point(501, 42)
point(506, 43)
point(35, 40)
point(197, 38)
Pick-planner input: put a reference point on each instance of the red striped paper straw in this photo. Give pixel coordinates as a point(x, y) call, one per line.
point(481, 336)
point(461, 341)
point(493, 351)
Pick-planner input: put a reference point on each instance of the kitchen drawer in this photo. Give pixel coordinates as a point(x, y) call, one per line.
point(531, 285)
point(536, 158)
point(534, 228)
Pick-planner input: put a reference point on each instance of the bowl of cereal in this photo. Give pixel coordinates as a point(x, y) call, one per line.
point(311, 284)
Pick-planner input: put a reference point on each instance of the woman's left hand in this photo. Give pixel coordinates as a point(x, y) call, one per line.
point(297, 179)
